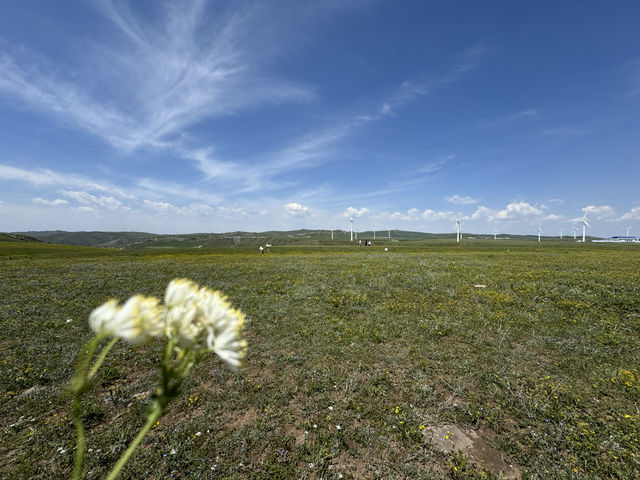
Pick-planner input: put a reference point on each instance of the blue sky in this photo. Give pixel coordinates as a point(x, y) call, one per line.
point(196, 116)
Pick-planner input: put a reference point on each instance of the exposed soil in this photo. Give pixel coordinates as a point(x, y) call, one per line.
point(474, 444)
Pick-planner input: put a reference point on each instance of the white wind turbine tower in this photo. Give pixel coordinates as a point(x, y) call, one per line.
point(628, 229)
point(495, 233)
point(539, 231)
point(351, 221)
point(575, 230)
point(585, 224)
point(458, 229)
point(331, 233)
point(561, 232)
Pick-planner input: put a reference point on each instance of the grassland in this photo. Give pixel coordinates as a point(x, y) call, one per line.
point(355, 355)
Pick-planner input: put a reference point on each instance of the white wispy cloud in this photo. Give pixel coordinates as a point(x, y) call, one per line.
point(88, 199)
point(167, 208)
point(514, 211)
point(161, 189)
point(468, 60)
point(415, 215)
point(318, 147)
point(434, 216)
point(57, 202)
point(170, 75)
point(459, 200)
point(565, 131)
point(512, 117)
point(296, 210)
point(45, 177)
point(231, 212)
point(633, 214)
point(352, 212)
point(600, 212)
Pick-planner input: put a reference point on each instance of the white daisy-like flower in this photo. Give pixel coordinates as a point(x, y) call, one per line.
point(101, 318)
point(137, 321)
point(180, 291)
point(203, 319)
point(195, 318)
point(224, 328)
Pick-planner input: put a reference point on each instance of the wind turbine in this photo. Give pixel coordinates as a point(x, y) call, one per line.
point(331, 233)
point(561, 232)
point(574, 232)
point(351, 221)
point(628, 229)
point(495, 233)
point(458, 229)
point(374, 234)
point(585, 224)
point(539, 231)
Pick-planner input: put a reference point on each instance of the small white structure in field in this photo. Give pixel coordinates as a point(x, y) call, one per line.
point(619, 239)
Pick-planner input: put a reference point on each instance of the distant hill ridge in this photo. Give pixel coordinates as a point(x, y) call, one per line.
point(17, 237)
point(88, 239)
point(140, 240)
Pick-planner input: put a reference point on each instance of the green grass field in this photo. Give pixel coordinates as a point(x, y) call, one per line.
point(358, 359)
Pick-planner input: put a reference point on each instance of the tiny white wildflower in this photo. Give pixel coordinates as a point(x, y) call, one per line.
point(338, 427)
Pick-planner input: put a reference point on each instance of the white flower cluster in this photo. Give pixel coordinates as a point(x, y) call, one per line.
point(195, 318)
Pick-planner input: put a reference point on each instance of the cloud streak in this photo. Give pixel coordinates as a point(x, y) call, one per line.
point(170, 76)
point(459, 200)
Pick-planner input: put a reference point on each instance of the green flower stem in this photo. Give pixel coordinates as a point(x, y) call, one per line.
point(78, 458)
point(170, 382)
point(79, 384)
point(101, 358)
point(79, 381)
point(155, 413)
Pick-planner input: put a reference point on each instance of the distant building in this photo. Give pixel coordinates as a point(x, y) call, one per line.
point(619, 239)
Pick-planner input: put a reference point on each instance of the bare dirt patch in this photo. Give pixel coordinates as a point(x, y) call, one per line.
point(474, 445)
point(355, 467)
point(247, 418)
